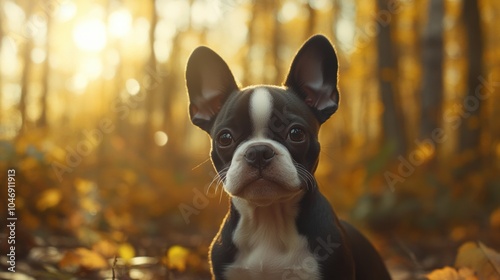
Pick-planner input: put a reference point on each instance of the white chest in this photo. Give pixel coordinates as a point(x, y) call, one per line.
point(270, 248)
point(267, 263)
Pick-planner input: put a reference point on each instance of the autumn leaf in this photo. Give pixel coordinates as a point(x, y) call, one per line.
point(478, 257)
point(495, 219)
point(126, 252)
point(105, 247)
point(177, 258)
point(82, 258)
point(450, 273)
point(84, 186)
point(49, 199)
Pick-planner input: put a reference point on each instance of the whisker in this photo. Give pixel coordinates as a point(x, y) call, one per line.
point(217, 180)
point(214, 180)
point(305, 175)
point(203, 162)
point(223, 179)
point(220, 197)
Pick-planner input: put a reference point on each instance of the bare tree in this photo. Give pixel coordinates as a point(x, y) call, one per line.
point(276, 43)
point(392, 117)
point(432, 63)
point(42, 121)
point(151, 91)
point(25, 78)
point(471, 129)
point(247, 63)
point(1, 37)
point(311, 20)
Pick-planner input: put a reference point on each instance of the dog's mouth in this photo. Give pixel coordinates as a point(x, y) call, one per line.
point(262, 190)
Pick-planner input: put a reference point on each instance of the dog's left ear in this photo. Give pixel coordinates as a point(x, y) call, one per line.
point(313, 76)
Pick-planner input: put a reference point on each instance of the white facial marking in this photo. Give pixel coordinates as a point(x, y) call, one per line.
point(282, 176)
point(261, 105)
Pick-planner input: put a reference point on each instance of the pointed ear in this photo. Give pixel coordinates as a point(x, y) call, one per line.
point(209, 82)
point(313, 76)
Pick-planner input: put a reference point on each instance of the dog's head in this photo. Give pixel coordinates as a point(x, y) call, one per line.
point(265, 138)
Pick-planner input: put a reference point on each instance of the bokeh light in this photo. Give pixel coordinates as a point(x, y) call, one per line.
point(90, 35)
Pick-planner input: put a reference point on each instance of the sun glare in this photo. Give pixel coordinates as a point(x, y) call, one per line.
point(67, 10)
point(90, 35)
point(120, 23)
point(161, 138)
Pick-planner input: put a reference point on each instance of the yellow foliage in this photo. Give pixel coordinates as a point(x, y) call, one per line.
point(449, 273)
point(105, 247)
point(177, 258)
point(126, 252)
point(28, 164)
point(481, 259)
point(495, 219)
point(89, 205)
point(49, 199)
point(82, 258)
point(84, 186)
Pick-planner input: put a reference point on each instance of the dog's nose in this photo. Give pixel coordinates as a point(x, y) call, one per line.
point(259, 156)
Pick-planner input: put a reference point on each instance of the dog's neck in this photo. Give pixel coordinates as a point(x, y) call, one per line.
point(270, 225)
point(269, 245)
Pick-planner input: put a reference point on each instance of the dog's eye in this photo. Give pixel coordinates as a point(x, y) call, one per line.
point(225, 139)
point(297, 135)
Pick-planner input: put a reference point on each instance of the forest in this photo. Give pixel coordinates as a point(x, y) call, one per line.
point(104, 177)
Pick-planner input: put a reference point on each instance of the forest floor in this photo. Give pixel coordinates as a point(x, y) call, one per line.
point(61, 257)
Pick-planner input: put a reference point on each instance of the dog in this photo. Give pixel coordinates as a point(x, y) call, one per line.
point(265, 149)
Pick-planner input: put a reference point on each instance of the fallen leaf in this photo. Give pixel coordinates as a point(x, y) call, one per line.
point(481, 259)
point(467, 273)
point(106, 248)
point(450, 273)
point(177, 258)
point(82, 258)
point(445, 273)
point(49, 199)
point(495, 219)
point(126, 252)
point(84, 186)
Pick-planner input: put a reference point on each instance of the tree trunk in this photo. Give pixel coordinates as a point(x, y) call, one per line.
point(151, 90)
point(247, 63)
point(471, 128)
point(311, 20)
point(1, 84)
point(276, 44)
point(42, 121)
point(432, 64)
point(25, 79)
point(392, 117)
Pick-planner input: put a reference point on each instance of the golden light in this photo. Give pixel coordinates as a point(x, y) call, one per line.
point(38, 55)
point(120, 23)
point(205, 13)
point(92, 68)
point(9, 64)
point(133, 87)
point(90, 35)
point(161, 138)
point(288, 12)
point(67, 10)
point(78, 84)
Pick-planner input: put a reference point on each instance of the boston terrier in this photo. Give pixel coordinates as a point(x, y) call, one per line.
point(265, 149)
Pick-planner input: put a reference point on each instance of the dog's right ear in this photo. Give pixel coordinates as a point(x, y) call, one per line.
point(209, 82)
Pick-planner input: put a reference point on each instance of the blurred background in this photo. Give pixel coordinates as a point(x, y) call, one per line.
point(113, 181)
